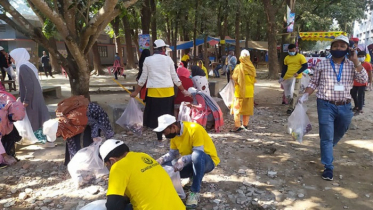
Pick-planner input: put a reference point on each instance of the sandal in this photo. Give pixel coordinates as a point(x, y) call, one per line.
point(237, 130)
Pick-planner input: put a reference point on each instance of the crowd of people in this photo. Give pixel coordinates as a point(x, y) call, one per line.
point(137, 180)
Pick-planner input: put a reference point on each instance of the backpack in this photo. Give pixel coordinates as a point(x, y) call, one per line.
point(74, 102)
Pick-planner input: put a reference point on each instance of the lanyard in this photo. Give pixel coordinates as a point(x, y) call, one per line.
point(339, 75)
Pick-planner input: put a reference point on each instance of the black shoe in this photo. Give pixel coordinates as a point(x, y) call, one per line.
point(327, 174)
point(289, 111)
point(237, 130)
point(3, 166)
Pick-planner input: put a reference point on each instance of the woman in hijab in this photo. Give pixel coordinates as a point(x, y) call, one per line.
point(205, 109)
point(30, 91)
point(199, 80)
point(184, 76)
point(243, 103)
point(145, 53)
point(10, 112)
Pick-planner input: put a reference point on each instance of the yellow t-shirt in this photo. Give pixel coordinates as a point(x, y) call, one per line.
point(249, 87)
point(145, 182)
point(194, 135)
point(185, 58)
point(161, 92)
point(205, 70)
point(367, 58)
point(294, 63)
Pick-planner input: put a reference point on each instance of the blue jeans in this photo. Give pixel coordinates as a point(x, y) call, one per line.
point(334, 122)
point(216, 70)
point(200, 165)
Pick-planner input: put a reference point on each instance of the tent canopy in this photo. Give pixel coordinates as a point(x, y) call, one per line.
point(320, 36)
point(183, 45)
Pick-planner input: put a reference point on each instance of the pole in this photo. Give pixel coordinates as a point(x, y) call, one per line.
point(128, 91)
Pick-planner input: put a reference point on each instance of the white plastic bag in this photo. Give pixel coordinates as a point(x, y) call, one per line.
point(184, 113)
point(50, 128)
point(211, 73)
point(227, 94)
point(95, 205)
point(298, 123)
point(288, 86)
point(304, 83)
point(176, 181)
point(86, 165)
point(131, 118)
point(25, 130)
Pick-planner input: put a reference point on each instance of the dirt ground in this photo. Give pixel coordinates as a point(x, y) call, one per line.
point(262, 168)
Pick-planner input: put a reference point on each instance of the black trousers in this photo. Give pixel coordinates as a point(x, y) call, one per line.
point(48, 69)
point(358, 95)
point(10, 140)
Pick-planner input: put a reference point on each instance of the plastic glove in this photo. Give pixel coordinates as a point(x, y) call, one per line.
point(9, 160)
point(186, 93)
point(179, 165)
point(160, 161)
point(97, 139)
point(280, 80)
point(303, 99)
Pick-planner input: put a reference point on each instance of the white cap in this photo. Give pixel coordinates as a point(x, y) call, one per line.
point(341, 38)
point(164, 121)
point(1, 48)
point(160, 43)
point(192, 90)
point(245, 53)
point(108, 146)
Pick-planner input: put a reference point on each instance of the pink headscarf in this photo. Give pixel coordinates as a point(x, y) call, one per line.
point(9, 105)
point(182, 71)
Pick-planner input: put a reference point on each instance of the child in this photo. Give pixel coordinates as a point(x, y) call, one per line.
point(358, 90)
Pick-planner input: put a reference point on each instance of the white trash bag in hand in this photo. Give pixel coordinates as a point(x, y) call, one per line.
point(298, 123)
point(304, 83)
point(184, 113)
point(176, 181)
point(86, 165)
point(131, 118)
point(227, 94)
point(288, 86)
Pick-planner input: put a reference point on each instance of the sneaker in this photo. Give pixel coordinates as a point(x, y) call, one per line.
point(159, 144)
point(192, 200)
point(3, 166)
point(49, 144)
point(289, 111)
point(327, 174)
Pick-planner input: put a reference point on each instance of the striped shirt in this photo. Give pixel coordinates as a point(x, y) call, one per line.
point(324, 79)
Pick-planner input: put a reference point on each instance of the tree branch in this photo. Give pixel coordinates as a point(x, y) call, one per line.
point(15, 25)
point(54, 17)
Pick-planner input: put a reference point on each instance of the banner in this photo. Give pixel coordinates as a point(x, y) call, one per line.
point(144, 42)
point(313, 61)
point(320, 36)
point(290, 22)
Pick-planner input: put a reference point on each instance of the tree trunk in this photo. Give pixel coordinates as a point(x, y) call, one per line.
point(272, 42)
point(174, 39)
point(286, 38)
point(97, 60)
point(206, 57)
point(118, 44)
point(258, 29)
point(247, 35)
point(237, 32)
point(128, 37)
point(135, 39)
point(168, 30)
point(153, 7)
point(145, 17)
point(54, 60)
point(195, 30)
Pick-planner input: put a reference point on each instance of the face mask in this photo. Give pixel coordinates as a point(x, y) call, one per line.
point(171, 135)
point(361, 59)
point(338, 53)
point(292, 53)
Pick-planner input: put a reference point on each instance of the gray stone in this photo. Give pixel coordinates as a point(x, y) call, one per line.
point(224, 109)
point(272, 174)
point(13, 190)
point(47, 200)
point(351, 151)
point(300, 195)
point(44, 208)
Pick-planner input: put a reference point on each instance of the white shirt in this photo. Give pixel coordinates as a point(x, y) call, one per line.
point(159, 72)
